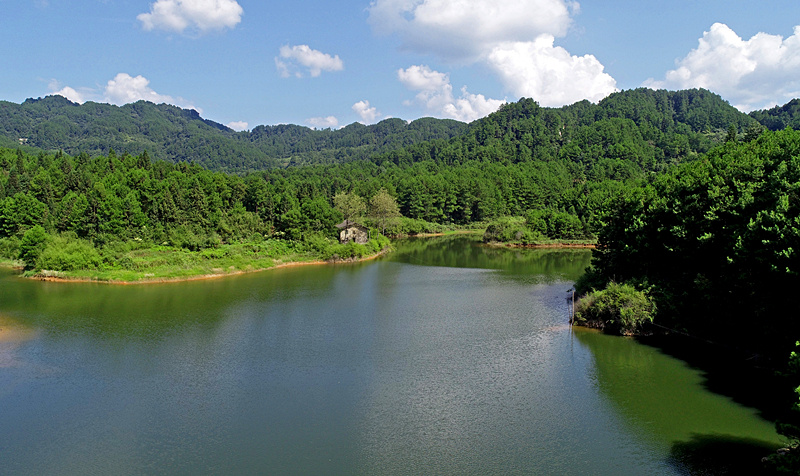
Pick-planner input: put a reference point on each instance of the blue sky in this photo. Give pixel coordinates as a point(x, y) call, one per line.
point(328, 64)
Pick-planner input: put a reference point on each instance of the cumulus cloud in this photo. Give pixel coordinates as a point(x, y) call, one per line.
point(368, 114)
point(121, 90)
point(514, 39)
point(238, 125)
point(435, 94)
point(195, 15)
point(323, 122)
point(72, 94)
point(549, 74)
point(124, 89)
point(292, 58)
point(756, 73)
point(464, 30)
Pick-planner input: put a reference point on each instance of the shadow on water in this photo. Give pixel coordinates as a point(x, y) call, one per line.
point(667, 401)
point(730, 372)
point(719, 455)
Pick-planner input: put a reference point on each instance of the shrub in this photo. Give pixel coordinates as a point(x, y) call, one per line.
point(32, 244)
point(555, 224)
point(64, 253)
point(619, 308)
point(319, 245)
point(510, 230)
point(9, 247)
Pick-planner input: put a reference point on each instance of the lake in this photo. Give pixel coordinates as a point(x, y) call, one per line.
point(444, 357)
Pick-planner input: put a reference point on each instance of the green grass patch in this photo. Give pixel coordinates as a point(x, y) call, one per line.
point(68, 257)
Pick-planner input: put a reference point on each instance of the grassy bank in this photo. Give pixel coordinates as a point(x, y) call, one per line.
point(68, 258)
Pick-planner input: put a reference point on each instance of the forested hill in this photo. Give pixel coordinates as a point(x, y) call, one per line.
point(780, 117)
point(643, 128)
point(181, 135)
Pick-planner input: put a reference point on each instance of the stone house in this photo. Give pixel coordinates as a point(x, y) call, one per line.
point(352, 231)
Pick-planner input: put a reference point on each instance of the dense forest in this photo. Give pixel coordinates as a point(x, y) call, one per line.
point(520, 160)
point(714, 241)
point(559, 170)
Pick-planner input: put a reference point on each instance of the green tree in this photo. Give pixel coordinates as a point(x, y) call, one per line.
point(383, 208)
point(32, 245)
point(350, 205)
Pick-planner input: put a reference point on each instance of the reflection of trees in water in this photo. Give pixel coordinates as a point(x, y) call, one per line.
point(151, 310)
point(668, 402)
point(458, 251)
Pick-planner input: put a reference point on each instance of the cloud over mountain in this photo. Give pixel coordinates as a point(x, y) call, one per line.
point(751, 74)
point(435, 94)
point(513, 39)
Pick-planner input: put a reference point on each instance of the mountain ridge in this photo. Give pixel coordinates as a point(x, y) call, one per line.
point(676, 123)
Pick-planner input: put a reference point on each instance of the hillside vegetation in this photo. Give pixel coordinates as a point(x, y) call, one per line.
point(559, 170)
point(180, 135)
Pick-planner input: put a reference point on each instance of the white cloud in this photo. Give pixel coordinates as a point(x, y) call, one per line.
point(464, 30)
point(292, 57)
point(756, 73)
point(238, 125)
point(70, 93)
point(367, 114)
point(121, 90)
point(515, 39)
point(196, 15)
point(549, 74)
point(323, 122)
point(124, 89)
point(469, 107)
point(435, 94)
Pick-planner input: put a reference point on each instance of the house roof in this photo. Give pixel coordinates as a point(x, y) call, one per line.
point(348, 224)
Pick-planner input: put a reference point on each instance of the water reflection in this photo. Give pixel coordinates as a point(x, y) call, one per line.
point(466, 251)
point(666, 402)
point(445, 357)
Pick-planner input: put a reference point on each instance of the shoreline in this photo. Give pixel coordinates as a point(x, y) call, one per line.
point(586, 246)
point(199, 277)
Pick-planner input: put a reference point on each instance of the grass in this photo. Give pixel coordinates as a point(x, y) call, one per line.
point(131, 262)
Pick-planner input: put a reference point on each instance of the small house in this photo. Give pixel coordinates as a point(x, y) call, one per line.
point(352, 231)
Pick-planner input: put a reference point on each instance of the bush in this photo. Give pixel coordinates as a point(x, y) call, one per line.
point(32, 244)
point(555, 225)
point(619, 308)
point(510, 230)
point(65, 253)
point(9, 247)
point(319, 245)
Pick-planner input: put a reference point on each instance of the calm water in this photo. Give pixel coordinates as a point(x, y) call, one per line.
point(442, 358)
